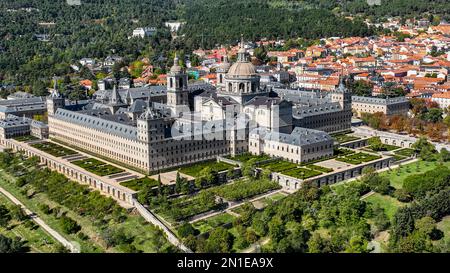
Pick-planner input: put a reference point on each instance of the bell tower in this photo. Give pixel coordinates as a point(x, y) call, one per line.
point(55, 100)
point(177, 91)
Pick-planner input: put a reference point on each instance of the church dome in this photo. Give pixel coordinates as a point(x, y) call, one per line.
point(242, 69)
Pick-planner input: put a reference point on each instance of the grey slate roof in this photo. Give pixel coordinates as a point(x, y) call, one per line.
point(299, 136)
point(101, 124)
point(379, 101)
point(307, 111)
point(27, 104)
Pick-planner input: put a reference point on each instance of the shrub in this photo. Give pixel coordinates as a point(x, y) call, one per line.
point(186, 229)
point(402, 195)
point(68, 225)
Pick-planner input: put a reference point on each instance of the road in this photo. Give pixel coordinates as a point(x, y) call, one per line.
point(41, 223)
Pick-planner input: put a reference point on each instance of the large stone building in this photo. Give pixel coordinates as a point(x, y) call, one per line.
point(300, 146)
point(14, 126)
point(27, 107)
point(388, 106)
point(157, 129)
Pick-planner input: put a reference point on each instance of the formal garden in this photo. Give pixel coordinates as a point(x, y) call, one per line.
point(301, 173)
point(53, 149)
point(245, 188)
point(248, 156)
point(26, 138)
point(195, 170)
point(344, 138)
point(140, 183)
point(97, 167)
point(358, 158)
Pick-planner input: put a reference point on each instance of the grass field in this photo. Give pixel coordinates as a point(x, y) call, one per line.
point(35, 237)
point(209, 224)
point(397, 176)
point(389, 204)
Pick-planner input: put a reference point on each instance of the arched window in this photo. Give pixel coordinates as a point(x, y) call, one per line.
point(171, 82)
point(220, 78)
point(230, 87)
point(180, 83)
point(241, 87)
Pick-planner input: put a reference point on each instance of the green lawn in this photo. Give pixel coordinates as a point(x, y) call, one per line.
point(194, 170)
point(397, 176)
point(26, 138)
point(279, 166)
point(139, 184)
point(301, 173)
point(405, 152)
point(247, 156)
point(276, 197)
point(209, 224)
point(97, 167)
point(53, 149)
point(35, 237)
point(345, 138)
point(319, 168)
point(358, 158)
point(444, 226)
point(389, 204)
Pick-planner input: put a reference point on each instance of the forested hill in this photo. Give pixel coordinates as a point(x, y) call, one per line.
point(96, 29)
point(222, 21)
point(408, 8)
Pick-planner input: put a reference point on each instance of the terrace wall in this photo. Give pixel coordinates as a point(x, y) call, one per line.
point(73, 172)
point(294, 184)
point(355, 144)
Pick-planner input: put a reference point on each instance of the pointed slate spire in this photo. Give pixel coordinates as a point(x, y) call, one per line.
point(55, 93)
point(115, 96)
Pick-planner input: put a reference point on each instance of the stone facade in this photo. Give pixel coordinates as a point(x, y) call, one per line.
point(389, 107)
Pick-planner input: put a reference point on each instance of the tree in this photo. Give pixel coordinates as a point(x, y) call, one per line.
point(376, 144)
point(8, 245)
point(357, 244)
point(219, 241)
point(433, 115)
point(68, 225)
point(424, 148)
point(403, 223)
point(361, 88)
point(276, 229)
point(186, 229)
point(17, 213)
point(5, 217)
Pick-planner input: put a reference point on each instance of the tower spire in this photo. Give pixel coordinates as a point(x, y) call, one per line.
point(115, 96)
point(55, 92)
point(242, 53)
